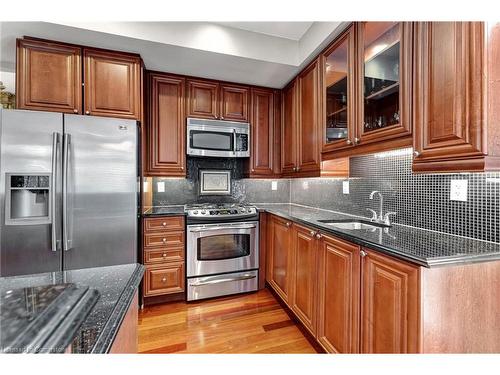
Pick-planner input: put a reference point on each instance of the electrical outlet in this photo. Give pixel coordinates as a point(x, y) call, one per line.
point(458, 190)
point(274, 185)
point(345, 187)
point(160, 186)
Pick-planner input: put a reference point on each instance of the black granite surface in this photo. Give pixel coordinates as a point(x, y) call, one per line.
point(43, 319)
point(116, 286)
point(173, 210)
point(419, 246)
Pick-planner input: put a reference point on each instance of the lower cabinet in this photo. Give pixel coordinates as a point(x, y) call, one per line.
point(164, 256)
point(351, 300)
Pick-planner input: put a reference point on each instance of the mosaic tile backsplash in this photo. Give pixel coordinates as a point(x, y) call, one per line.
point(419, 200)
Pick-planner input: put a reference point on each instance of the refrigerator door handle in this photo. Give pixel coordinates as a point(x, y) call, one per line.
point(53, 183)
point(66, 146)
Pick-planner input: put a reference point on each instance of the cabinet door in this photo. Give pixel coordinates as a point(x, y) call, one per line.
point(234, 103)
point(164, 279)
point(304, 276)
point(309, 158)
point(203, 99)
point(338, 296)
point(338, 94)
point(262, 133)
point(449, 94)
point(385, 66)
point(289, 129)
point(280, 256)
point(390, 305)
point(48, 76)
point(112, 84)
point(166, 126)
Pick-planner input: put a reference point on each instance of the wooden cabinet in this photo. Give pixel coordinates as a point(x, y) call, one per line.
point(48, 76)
point(262, 122)
point(390, 305)
point(303, 275)
point(112, 84)
point(338, 295)
point(164, 256)
point(456, 89)
point(308, 156)
point(214, 100)
point(166, 128)
point(289, 129)
point(280, 256)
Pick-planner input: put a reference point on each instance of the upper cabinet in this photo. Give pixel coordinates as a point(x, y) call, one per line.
point(456, 105)
point(165, 126)
point(367, 80)
point(49, 78)
point(263, 121)
point(289, 129)
point(112, 84)
point(214, 100)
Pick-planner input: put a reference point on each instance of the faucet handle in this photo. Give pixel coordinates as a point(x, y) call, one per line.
point(387, 217)
point(374, 214)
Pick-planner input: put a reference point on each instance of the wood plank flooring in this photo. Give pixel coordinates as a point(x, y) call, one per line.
point(248, 323)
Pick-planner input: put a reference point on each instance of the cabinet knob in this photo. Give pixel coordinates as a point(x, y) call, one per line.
point(363, 253)
point(357, 140)
point(318, 236)
point(222, 117)
point(164, 255)
point(253, 170)
point(182, 168)
point(288, 224)
point(164, 280)
point(312, 233)
point(164, 224)
point(295, 169)
point(75, 110)
point(164, 240)
point(87, 112)
point(348, 141)
point(416, 154)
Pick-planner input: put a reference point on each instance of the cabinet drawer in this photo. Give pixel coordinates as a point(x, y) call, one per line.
point(164, 256)
point(174, 223)
point(165, 279)
point(165, 240)
point(164, 224)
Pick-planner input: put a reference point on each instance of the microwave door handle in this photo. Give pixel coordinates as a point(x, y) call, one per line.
point(235, 143)
point(53, 183)
point(197, 230)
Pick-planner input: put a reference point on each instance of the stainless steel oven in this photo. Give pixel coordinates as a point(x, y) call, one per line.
point(218, 138)
point(222, 258)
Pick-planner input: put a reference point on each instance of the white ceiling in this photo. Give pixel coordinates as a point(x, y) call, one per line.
point(288, 30)
point(204, 49)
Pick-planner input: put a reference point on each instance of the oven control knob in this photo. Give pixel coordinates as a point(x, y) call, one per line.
point(203, 212)
point(243, 209)
point(195, 212)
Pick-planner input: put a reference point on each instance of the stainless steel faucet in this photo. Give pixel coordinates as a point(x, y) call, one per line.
point(380, 218)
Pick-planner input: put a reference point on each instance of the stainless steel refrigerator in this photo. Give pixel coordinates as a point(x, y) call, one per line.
point(68, 191)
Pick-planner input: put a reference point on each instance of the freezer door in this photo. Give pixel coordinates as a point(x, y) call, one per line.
point(30, 192)
point(99, 191)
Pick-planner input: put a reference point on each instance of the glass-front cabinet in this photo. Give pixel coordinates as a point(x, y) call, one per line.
point(384, 66)
point(338, 88)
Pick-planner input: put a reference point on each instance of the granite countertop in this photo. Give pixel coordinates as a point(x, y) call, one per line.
point(116, 286)
point(419, 246)
point(174, 210)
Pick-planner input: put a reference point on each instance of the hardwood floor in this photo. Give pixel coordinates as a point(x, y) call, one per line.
point(249, 323)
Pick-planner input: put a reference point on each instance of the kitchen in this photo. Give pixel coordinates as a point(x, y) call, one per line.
point(342, 199)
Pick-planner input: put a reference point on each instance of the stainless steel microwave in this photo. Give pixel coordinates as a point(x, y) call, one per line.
point(217, 138)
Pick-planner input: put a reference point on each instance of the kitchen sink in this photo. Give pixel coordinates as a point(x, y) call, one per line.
point(354, 224)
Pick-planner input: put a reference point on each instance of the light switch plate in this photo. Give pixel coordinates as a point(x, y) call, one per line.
point(160, 186)
point(458, 190)
point(345, 187)
point(274, 185)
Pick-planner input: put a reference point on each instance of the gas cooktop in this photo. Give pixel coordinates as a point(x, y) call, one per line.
point(219, 211)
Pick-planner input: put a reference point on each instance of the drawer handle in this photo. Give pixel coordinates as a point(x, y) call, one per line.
point(224, 280)
point(164, 240)
point(164, 255)
point(164, 224)
point(164, 280)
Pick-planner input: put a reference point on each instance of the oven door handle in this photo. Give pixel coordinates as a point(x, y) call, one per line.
point(224, 280)
point(206, 229)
